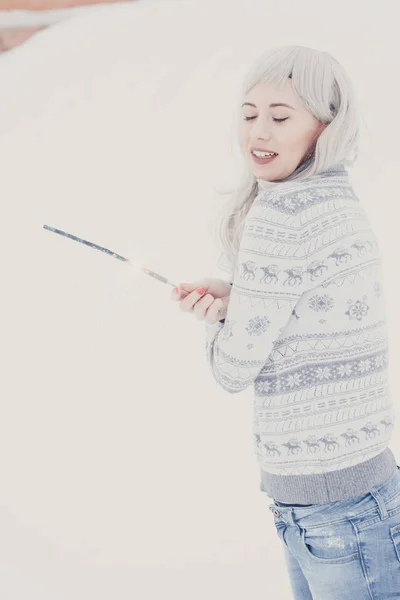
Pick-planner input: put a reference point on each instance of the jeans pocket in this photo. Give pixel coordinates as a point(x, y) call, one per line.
point(395, 535)
point(330, 544)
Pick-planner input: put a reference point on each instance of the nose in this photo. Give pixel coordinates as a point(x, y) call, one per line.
point(260, 130)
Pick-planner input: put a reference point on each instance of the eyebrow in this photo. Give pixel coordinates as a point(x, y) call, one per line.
point(271, 105)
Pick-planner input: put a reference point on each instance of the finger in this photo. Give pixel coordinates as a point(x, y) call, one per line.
point(213, 314)
point(187, 303)
point(201, 306)
point(178, 293)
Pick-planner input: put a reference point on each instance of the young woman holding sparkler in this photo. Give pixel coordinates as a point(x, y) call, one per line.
point(306, 327)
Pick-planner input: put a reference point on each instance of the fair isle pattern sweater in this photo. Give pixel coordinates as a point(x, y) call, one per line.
point(306, 327)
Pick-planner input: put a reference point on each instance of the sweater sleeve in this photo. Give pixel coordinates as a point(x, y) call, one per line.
point(223, 320)
point(343, 245)
point(270, 277)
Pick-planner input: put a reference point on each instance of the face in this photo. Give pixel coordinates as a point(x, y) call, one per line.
point(290, 132)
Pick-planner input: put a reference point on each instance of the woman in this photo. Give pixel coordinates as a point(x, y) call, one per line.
point(306, 327)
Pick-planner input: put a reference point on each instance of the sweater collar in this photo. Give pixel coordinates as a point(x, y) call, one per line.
point(336, 170)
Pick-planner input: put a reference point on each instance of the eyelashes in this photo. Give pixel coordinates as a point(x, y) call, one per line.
point(276, 120)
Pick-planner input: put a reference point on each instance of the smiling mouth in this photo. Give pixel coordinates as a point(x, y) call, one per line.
point(269, 152)
point(263, 161)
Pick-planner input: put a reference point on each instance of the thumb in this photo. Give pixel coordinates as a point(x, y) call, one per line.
point(222, 308)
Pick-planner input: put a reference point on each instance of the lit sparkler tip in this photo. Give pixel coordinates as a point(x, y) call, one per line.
point(137, 265)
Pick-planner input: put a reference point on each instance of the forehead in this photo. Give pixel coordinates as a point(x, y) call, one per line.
point(265, 93)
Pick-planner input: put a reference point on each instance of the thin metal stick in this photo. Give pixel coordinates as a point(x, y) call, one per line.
point(112, 254)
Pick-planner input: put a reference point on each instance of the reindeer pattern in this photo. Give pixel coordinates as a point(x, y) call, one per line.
point(329, 443)
point(294, 276)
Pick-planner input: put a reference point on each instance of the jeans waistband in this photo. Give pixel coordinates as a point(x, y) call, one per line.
point(287, 504)
point(380, 495)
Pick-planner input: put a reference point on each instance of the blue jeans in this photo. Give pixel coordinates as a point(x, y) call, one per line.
point(347, 550)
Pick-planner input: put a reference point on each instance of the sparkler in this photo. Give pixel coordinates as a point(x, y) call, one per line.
point(113, 255)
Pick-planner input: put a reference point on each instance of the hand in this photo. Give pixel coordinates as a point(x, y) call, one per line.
point(212, 306)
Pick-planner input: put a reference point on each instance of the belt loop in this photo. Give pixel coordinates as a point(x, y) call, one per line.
point(381, 503)
point(290, 517)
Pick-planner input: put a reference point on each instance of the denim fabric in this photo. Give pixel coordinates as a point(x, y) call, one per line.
point(347, 550)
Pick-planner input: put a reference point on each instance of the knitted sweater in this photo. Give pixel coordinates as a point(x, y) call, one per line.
point(306, 328)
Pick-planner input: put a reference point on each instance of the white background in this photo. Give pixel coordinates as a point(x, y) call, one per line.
point(125, 472)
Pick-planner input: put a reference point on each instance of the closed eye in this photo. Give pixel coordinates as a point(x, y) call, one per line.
point(276, 120)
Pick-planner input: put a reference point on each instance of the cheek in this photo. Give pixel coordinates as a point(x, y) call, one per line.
point(312, 134)
point(299, 140)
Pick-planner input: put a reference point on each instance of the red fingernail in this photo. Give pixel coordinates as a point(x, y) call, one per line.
point(200, 291)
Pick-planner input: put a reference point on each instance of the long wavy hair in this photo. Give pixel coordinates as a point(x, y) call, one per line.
point(324, 88)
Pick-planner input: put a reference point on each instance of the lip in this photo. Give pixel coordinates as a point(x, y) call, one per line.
point(263, 150)
point(262, 161)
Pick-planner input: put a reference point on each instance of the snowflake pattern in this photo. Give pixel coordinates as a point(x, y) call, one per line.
point(293, 380)
point(290, 202)
point(319, 303)
point(323, 373)
point(358, 309)
point(345, 370)
point(365, 365)
point(312, 375)
point(258, 325)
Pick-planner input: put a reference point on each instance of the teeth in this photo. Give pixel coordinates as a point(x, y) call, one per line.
point(263, 154)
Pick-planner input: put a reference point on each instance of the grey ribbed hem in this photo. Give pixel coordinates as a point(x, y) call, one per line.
point(333, 486)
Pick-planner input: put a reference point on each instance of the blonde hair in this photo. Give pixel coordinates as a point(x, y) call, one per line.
point(324, 88)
